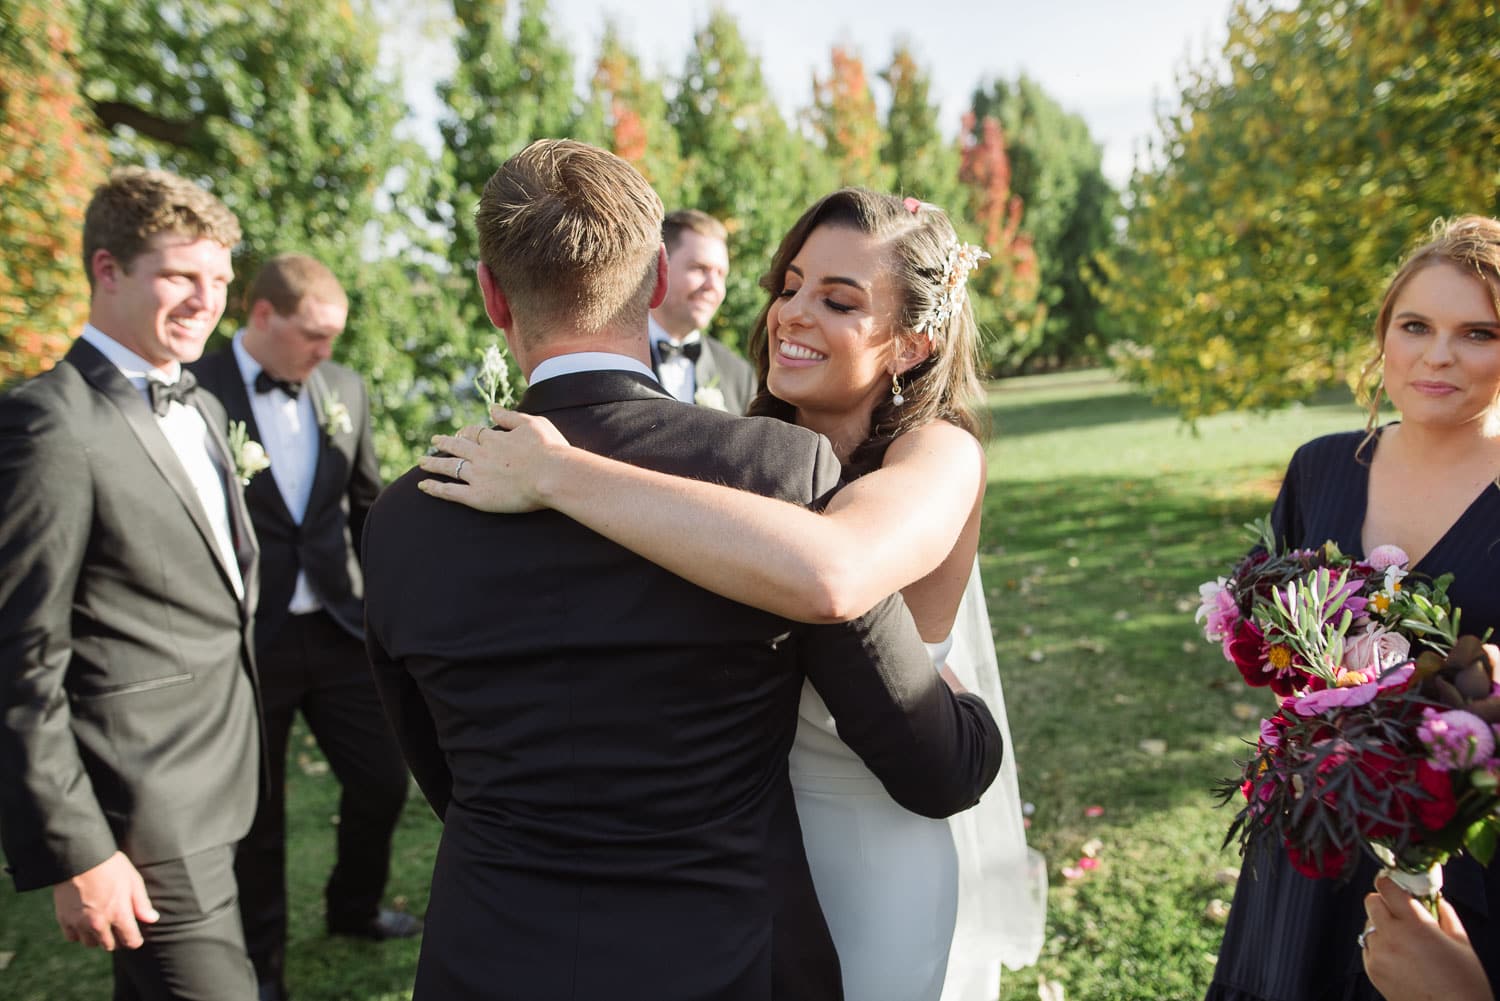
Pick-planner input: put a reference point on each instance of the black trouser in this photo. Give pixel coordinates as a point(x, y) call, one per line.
point(196, 950)
point(316, 667)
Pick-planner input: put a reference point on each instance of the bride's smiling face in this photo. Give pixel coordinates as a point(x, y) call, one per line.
point(829, 330)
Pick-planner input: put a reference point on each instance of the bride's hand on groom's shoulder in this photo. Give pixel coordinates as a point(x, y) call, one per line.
point(501, 469)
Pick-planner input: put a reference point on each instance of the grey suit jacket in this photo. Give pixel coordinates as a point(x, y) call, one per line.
point(127, 695)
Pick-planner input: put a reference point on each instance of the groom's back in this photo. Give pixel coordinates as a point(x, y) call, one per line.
point(616, 737)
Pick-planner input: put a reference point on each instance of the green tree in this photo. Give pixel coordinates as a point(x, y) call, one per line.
point(843, 117)
point(1056, 169)
point(284, 112)
point(633, 110)
point(1281, 192)
point(51, 158)
point(1004, 290)
point(922, 162)
point(744, 165)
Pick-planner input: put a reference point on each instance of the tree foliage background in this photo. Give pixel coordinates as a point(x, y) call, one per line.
point(1300, 164)
point(287, 112)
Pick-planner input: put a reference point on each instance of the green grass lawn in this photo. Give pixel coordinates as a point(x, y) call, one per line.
point(1103, 515)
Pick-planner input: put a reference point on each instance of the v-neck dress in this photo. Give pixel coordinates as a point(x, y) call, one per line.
point(1291, 938)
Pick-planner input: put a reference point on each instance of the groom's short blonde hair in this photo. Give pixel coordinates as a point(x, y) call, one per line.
point(570, 232)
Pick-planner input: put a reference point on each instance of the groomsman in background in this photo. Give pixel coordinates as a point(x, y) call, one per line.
point(312, 416)
point(692, 366)
point(129, 746)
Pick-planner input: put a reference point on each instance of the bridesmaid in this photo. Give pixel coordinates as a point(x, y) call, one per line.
point(1430, 484)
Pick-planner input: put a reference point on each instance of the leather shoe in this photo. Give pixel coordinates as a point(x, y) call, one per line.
point(270, 990)
point(385, 924)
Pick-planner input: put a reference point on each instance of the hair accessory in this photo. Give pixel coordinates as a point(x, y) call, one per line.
point(913, 205)
point(962, 258)
point(896, 397)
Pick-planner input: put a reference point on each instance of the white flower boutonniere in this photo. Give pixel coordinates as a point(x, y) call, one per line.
point(336, 420)
point(710, 396)
point(249, 457)
point(493, 378)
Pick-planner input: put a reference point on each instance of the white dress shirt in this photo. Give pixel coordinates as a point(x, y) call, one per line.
point(289, 433)
point(188, 435)
point(676, 372)
point(588, 361)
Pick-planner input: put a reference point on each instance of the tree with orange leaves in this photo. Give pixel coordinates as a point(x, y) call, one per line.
point(632, 110)
point(51, 159)
point(843, 117)
point(1005, 289)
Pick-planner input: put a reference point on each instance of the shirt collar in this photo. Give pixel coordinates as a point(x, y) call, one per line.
point(659, 333)
point(131, 365)
point(249, 367)
point(588, 361)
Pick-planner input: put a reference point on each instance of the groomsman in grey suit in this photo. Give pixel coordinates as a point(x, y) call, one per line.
point(312, 416)
point(129, 743)
point(692, 366)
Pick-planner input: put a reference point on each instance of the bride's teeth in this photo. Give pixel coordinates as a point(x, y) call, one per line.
point(790, 350)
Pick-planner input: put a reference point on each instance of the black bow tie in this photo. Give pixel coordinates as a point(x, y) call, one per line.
point(265, 382)
point(666, 350)
point(163, 394)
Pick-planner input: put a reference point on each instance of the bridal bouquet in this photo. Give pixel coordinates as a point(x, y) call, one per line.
point(1385, 736)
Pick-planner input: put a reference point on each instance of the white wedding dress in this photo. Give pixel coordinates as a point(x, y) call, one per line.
point(919, 909)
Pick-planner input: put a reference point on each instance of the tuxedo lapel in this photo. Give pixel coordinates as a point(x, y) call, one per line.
point(225, 380)
point(706, 370)
point(325, 473)
point(106, 379)
point(584, 389)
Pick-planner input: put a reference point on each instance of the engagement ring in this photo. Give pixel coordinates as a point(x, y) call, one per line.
point(458, 474)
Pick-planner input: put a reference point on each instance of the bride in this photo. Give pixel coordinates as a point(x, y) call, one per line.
point(867, 338)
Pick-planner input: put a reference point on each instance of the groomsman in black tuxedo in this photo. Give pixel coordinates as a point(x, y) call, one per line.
point(129, 743)
point(692, 366)
point(312, 416)
point(605, 742)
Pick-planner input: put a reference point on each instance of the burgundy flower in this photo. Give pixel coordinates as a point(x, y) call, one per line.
point(1439, 805)
point(1315, 866)
point(1247, 648)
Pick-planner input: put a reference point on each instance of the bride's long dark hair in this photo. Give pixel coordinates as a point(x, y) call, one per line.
point(918, 237)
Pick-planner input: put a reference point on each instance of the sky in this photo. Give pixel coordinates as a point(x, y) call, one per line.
point(1110, 61)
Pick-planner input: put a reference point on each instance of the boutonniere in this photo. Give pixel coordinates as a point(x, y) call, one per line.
point(492, 381)
point(248, 455)
point(710, 396)
point(336, 419)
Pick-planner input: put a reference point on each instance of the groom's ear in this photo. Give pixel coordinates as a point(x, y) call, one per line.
point(660, 292)
point(496, 306)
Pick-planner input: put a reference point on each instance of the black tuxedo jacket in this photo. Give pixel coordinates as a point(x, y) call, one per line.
point(719, 367)
point(127, 695)
point(345, 484)
point(607, 743)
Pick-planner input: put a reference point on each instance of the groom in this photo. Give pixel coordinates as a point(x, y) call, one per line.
point(605, 742)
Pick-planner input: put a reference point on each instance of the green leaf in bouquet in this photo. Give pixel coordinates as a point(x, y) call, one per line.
point(1481, 839)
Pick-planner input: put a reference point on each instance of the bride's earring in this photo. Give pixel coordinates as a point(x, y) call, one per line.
point(896, 397)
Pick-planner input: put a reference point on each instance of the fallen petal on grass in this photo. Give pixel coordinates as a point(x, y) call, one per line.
point(1036, 656)
point(1227, 877)
point(1154, 747)
point(1049, 990)
point(5, 958)
point(1242, 710)
point(1093, 811)
point(1072, 872)
point(1088, 864)
point(1217, 911)
point(1092, 847)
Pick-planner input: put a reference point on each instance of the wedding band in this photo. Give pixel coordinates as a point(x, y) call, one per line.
point(1364, 934)
point(458, 470)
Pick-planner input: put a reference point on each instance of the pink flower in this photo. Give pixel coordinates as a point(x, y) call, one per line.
point(1088, 863)
point(1093, 811)
point(1455, 739)
point(1375, 650)
point(1316, 703)
point(1071, 872)
point(1386, 556)
point(1216, 610)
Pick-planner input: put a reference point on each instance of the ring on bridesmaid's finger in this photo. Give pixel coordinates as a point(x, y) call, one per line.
point(458, 474)
point(1365, 934)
